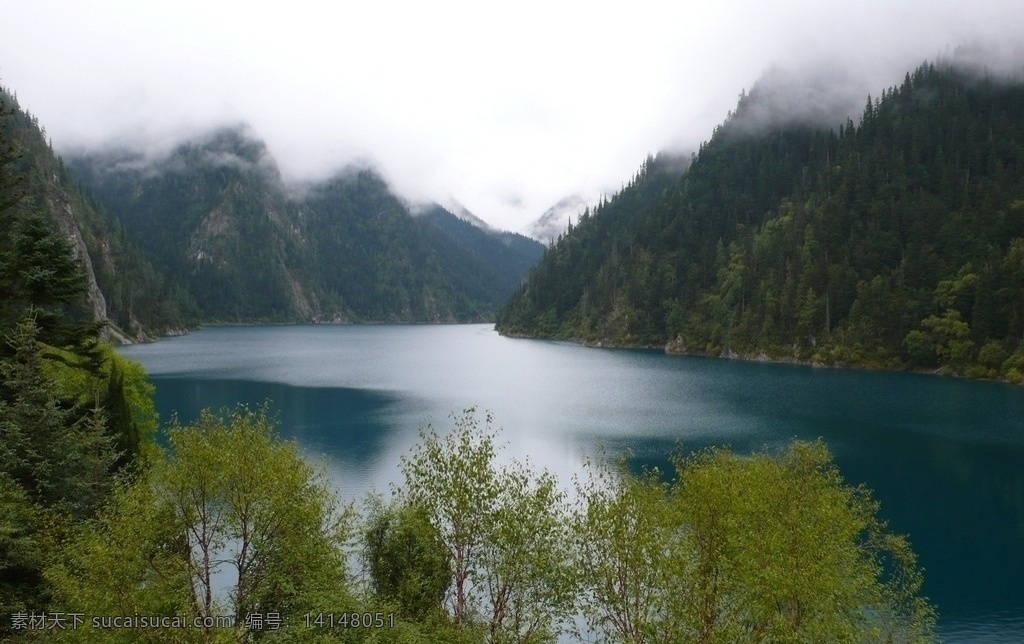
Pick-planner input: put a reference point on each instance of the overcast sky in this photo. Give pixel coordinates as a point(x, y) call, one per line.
point(505, 107)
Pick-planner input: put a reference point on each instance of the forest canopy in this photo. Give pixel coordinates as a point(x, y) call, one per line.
point(893, 242)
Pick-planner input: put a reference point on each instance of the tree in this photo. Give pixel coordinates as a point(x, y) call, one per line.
point(120, 387)
point(134, 558)
point(409, 564)
point(529, 583)
point(121, 426)
point(504, 528)
point(621, 540)
point(22, 554)
point(56, 451)
point(54, 461)
point(746, 549)
point(795, 242)
point(453, 479)
point(787, 552)
point(947, 338)
point(38, 269)
point(229, 520)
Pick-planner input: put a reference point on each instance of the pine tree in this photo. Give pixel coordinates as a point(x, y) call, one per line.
point(122, 429)
point(56, 452)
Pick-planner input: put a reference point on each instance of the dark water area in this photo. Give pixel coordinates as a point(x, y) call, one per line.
point(944, 457)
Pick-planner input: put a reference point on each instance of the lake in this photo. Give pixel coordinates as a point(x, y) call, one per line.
point(945, 457)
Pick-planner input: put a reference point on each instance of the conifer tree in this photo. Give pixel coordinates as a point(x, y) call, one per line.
point(59, 454)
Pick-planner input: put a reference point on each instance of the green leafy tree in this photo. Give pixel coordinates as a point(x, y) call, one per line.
point(38, 269)
point(786, 552)
point(453, 479)
point(54, 463)
point(948, 337)
point(504, 528)
point(529, 584)
point(409, 565)
point(120, 387)
point(120, 423)
point(134, 558)
point(746, 549)
point(622, 533)
point(227, 501)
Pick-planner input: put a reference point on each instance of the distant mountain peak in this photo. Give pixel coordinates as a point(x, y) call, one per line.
point(452, 205)
point(555, 219)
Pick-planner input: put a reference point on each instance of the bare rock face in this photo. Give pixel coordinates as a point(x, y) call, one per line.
point(65, 216)
point(63, 213)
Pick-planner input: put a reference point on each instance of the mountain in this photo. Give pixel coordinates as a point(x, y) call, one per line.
point(555, 219)
point(895, 242)
point(125, 291)
point(215, 214)
point(453, 206)
point(499, 257)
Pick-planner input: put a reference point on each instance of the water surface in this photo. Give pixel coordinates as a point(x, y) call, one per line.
point(945, 457)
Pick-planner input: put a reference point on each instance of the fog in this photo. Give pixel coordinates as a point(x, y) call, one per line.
point(506, 109)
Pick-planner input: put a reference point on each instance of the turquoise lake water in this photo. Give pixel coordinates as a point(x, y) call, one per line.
point(945, 457)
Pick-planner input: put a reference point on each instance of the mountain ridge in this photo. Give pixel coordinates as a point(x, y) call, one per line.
point(216, 214)
point(131, 309)
point(894, 242)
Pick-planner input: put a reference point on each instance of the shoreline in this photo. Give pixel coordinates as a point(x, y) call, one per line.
point(761, 356)
point(147, 338)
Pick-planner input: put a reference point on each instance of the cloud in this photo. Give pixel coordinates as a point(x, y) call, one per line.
point(820, 95)
point(228, 146)
point(508, 108)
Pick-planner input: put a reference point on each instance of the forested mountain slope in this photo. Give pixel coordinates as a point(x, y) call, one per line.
point(124, 290)
point(216, 216)
point(73, 414)
point(896, 242)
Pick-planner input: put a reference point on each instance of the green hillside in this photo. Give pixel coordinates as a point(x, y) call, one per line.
point(123, 288)
point(217, 217)
point(74, 415)
point(895, 242)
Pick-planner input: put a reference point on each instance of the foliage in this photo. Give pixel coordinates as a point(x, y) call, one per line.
point(453, 479)
point(745, 549)
point(38, 269)
point(503, 527)
point(55, 459)
point(23, 553)
point(71, 411)
point(227, 500)
point(120, 387)
point(38, 272)
point(41, 198)
point(895, 242)
point(133, 559)
point(622, 531)
point(58, 455)
point(530, 586)
point(409, 564)
point(229, 520)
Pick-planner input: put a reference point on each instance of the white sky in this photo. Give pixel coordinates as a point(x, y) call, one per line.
point(506, 107)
